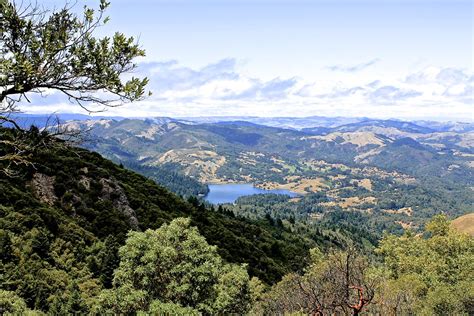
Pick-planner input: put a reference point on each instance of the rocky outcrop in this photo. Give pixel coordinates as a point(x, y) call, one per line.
point(113, 192)
point(43, 188)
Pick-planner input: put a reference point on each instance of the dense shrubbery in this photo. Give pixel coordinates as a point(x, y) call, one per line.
point(417, 276)
point(70, 242)
point(174, 269)
point(69, 238)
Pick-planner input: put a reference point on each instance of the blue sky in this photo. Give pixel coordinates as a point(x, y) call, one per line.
point(403, 59)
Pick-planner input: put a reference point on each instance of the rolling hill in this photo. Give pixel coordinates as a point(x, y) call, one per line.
point(359, 171)
point(464, 224)
point(64, 216)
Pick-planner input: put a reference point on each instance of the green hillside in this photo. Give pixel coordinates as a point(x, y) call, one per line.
point(64, 217)
point(121, 215)
point(392, 182)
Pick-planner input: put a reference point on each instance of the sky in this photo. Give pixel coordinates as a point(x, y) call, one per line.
point(405, 59)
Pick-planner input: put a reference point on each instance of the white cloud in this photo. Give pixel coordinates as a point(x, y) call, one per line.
point(224, 88)
point(354, 68)
point(450, 85)
point(391, 95)
point(445, 76)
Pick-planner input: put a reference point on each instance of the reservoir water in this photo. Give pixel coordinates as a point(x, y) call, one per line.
point(229, 193)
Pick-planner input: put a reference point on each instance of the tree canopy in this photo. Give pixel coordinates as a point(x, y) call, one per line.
point(43, 50)
point(173, 268)
point(417, 275)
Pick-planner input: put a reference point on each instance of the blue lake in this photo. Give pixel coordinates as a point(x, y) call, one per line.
point(229, 193)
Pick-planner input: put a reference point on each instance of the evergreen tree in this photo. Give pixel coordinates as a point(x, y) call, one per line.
point(175, 265)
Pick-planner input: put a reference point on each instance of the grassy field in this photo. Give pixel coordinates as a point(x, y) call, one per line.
point(465, 224)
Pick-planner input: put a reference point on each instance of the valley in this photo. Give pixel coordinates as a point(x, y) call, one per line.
point(289, 204)
point(236, 158)
point(395, 174)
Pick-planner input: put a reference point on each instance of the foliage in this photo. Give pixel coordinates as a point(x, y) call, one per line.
point(167, 176)
point(55, 50)
point(441, 267)
point(159, 308)
point(175, 265)
point(337, 283)
point(42, 49)
point(431, 275)
point(12, 304)
point(63, 221)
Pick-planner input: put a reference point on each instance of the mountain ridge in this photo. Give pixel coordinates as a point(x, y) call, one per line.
point(97, 198)
point(298, 123)
point(359, 171)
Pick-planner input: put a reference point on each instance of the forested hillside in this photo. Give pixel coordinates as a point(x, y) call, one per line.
point(109, 216)
point(65, 215)
point(67, 246)
point(394, 175)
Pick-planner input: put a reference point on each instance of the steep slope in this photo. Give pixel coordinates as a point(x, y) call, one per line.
point(63, 219)
point(396, 174)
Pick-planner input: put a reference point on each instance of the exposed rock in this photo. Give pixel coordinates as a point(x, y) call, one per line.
point(85, 182)
point(113, 192)
point(43, 188)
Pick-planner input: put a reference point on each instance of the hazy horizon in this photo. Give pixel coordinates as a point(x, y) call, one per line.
point(384, 59)
point(106, 114)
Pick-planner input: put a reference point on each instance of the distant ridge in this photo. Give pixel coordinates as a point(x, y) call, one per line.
point(312, 124)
